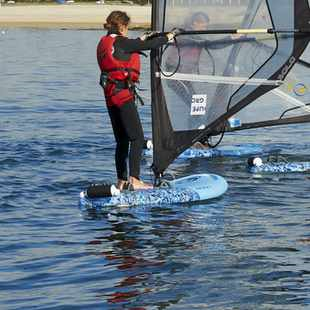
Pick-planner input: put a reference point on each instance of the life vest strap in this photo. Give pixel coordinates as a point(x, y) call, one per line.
point(129, 70)
point(120, 85)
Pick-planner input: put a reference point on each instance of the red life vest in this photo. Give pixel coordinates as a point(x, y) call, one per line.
point(120, 75)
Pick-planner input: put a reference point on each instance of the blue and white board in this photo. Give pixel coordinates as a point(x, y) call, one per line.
point(280, 167)
point(184, 190)
point(238, 150)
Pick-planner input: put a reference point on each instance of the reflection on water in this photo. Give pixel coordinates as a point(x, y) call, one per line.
point(153, 247)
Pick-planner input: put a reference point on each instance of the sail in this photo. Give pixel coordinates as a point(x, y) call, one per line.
point(209, 75)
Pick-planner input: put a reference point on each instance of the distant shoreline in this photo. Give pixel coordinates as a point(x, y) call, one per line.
point(70, 16)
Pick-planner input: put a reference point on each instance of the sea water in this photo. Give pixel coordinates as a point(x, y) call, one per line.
point(249, 249)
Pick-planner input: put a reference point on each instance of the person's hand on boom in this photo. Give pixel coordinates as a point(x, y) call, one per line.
point(149, 35)
point(170, 35)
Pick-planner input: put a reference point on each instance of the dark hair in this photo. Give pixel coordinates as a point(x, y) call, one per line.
point(199, 15)
point(115, 20)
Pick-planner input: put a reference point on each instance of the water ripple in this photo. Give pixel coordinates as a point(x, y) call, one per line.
point(246, 250)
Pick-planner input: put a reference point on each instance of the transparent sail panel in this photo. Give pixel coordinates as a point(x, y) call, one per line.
point(222, 14)
point(206, 75)
point(202, 73)
point(289, 100)
point(201, 87)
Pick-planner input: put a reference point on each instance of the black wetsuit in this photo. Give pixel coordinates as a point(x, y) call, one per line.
point(125, 120)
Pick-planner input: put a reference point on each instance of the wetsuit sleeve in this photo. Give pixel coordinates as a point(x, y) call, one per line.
point(136, 45)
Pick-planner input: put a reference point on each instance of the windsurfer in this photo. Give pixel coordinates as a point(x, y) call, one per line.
point(189, 55)
point(119, 61)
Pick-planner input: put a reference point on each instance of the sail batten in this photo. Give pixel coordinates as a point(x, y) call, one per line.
point(216, 79)
point(295, 102)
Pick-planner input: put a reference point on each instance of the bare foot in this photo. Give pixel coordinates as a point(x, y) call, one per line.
point(122, 184)
point(138, 184)
point(200, 146)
